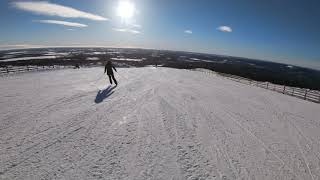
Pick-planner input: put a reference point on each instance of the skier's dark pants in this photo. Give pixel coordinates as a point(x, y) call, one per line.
point(114, 79)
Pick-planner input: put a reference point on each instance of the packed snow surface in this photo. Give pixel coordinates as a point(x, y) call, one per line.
point(157, 124)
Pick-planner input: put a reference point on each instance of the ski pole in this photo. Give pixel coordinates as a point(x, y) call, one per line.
point(98, 79)
point(121, 75)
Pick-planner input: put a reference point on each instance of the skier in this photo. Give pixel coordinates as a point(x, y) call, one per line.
point(108, 69)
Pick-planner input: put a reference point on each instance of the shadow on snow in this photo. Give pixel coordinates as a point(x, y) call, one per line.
point(104, 94)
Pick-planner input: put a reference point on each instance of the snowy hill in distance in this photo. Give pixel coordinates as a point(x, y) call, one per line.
point(159, 123)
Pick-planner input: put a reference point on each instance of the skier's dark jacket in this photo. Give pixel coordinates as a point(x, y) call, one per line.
point(108, 68)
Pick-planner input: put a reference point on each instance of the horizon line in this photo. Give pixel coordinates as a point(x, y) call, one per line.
point(24, 47)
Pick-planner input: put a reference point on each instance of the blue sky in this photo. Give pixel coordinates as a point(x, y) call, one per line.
point(286, 31)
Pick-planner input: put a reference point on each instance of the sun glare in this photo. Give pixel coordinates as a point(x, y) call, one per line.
point(125, 10)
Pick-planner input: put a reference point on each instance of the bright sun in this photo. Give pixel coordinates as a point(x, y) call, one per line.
point(125, 10)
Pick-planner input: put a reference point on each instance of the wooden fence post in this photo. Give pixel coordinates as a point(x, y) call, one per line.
point(284, 89)
point(267, 85)
point(293, 91)
point(305, 94)
point(7, 69)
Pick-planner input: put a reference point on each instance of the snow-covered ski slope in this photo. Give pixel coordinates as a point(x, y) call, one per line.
point(157, 124)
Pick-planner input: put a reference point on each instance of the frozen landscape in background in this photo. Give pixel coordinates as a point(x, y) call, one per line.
point(277, 73)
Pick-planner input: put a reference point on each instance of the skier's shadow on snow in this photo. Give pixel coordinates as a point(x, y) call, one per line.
point(104, 94)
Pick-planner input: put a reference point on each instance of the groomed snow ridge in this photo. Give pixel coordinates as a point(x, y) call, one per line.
point(159, 123)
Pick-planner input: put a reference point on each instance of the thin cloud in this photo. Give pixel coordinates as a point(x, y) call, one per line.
point(188, 31)
point(136, 26)
point(64, 23)
point(225, 29)
point(134, 31)
point(127, 30)
point(50, 9)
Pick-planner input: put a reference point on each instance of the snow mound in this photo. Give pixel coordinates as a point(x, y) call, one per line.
point(159, 123)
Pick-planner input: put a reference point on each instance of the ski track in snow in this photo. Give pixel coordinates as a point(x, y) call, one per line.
point(157, 124)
